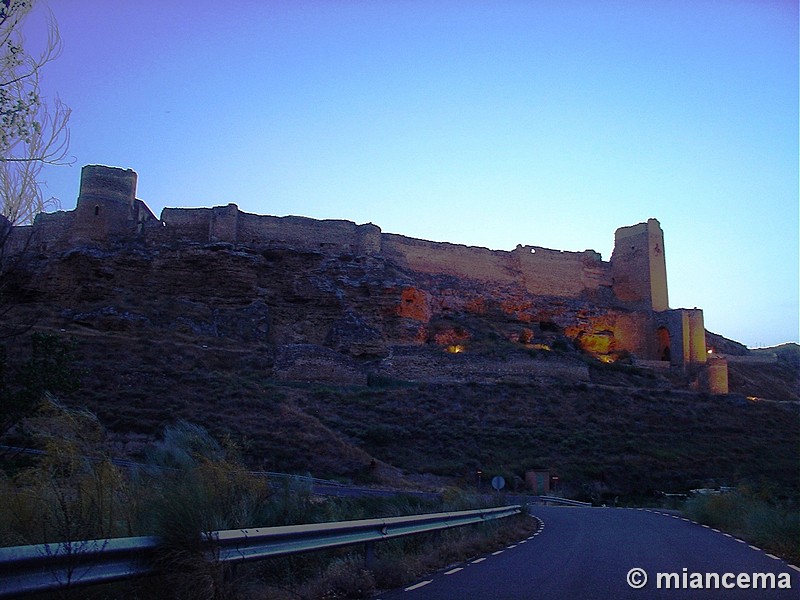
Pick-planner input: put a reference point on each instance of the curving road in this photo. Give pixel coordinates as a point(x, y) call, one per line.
point(587, 553)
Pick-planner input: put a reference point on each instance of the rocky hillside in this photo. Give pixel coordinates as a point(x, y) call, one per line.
point(350, 366)
point(311, 316)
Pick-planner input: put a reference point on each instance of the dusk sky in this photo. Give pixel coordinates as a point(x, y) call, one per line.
point(486, 123)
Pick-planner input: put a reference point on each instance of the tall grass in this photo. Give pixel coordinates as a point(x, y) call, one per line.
point(191, 484)
point(758, 520)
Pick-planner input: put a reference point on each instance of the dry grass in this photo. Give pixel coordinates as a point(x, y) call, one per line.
point(627, 437)
point(758, 520)
point(193, 484)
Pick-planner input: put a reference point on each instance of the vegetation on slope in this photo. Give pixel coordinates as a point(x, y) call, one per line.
point(752, 516)
point(604, 440)
point(192, 483)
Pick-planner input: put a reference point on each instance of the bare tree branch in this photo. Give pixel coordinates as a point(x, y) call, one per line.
point(33, 133)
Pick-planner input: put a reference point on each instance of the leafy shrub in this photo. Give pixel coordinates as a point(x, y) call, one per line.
point(194, 484)
point(752, 518)
point(47, 370)
point(73, 492)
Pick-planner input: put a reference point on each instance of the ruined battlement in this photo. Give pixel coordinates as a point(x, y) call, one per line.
point(539, 271)
point(229, 224)
point(108, 211)
point(625, 299)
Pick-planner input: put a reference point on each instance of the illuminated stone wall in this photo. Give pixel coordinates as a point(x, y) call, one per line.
point(627, 295)
point(638, 266)
point(540, 271)
point(107, 208)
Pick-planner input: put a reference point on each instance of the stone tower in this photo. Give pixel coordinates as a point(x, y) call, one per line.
point(638, 267)
point(106, 204)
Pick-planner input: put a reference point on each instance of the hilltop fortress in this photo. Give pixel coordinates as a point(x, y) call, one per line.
point(609, 309)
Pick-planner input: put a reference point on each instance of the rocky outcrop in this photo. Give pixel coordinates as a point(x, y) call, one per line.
point(323, 317)
point(311, 363)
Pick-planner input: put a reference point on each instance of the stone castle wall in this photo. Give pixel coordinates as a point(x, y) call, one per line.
point(540, 271)
point(229, 224)
point(107, 210)
point(631, 288)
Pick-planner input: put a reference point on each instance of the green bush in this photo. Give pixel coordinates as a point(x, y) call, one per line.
point(48, 369)
point(193, 484)
point(73, 492)
point(757, 520)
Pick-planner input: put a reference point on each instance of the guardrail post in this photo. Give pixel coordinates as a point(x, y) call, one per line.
point(436, 537)
point(229, 572)
point(369, 555)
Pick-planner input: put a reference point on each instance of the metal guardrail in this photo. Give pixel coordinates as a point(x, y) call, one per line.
point(45, 567)
point(49, 567)
point(566, 501)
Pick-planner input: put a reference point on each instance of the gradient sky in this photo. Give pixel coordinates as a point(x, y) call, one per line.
point(487, 123)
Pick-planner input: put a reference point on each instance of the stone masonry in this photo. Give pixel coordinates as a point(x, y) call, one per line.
point(624, 301)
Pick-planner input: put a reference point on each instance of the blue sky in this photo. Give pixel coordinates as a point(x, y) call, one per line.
point(487, 123)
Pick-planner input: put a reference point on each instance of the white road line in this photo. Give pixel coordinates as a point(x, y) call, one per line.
point(416, 586)
point(478, 560)
point(456, 570)
point(727, 535)
point(794, 567)
point(512, 546)
point(498, 552)
point(771, 555)
point(707, 527)
point(740, 541)
point(715, 529)
point(754, 547)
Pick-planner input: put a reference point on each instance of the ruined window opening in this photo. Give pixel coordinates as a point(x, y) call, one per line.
point(96, 210)
point(664, 352)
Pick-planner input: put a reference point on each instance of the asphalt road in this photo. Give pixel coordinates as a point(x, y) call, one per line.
point(587, 553)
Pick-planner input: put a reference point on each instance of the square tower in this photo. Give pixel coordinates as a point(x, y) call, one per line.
point(638, 267)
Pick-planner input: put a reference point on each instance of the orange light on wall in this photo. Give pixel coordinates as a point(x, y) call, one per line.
point(455, 349)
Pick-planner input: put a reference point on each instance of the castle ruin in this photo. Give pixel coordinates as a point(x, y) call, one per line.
point(616, 306)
